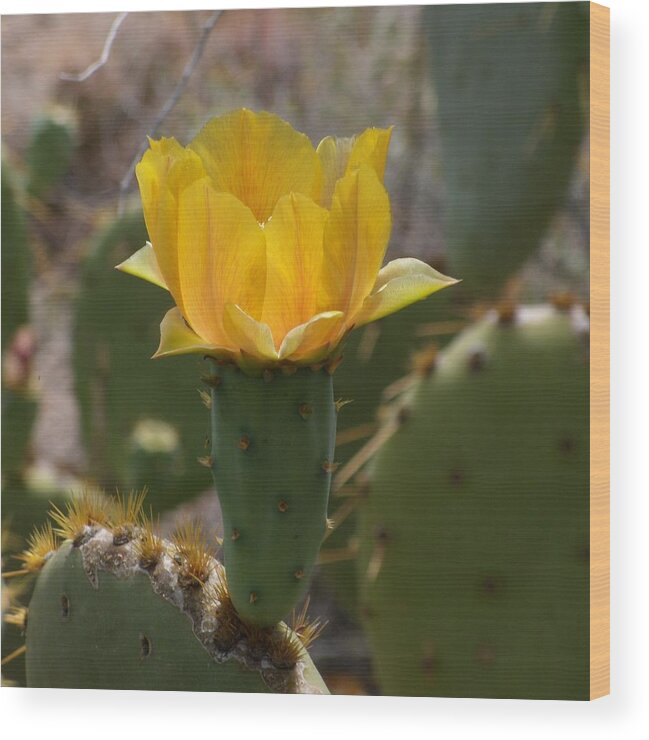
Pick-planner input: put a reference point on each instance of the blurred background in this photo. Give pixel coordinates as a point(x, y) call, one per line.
point(488, 179)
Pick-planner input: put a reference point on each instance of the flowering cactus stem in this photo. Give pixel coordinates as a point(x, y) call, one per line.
point(272, 461)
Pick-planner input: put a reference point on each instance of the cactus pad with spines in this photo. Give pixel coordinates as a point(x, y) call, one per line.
point(104, 616)
point(477, 518)
point(374, 357)
point(272, 460)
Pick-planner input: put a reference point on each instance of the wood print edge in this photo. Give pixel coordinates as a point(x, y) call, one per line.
point(600, 351)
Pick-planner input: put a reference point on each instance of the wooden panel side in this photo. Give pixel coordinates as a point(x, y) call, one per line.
point(600, 353)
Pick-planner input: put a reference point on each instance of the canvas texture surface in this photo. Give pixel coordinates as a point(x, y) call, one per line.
point(328, 427)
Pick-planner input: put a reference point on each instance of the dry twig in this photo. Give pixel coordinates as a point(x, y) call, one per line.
point(171, 102)
point(105, 54)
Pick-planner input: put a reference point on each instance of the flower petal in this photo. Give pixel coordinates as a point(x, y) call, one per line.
point(258, 157)
point(340, 155)
point(163, 172)
point(334, 154)
point(176, 338)
point(251, 336)
point(143, 264)
point(355, 240)
point(294, 249)
point(371, 148)
point(311, 341)
point(221, 258)
point(400, 283)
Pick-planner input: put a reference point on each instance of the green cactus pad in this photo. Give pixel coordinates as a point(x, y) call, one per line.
point(16, 261)
point(272, 460)
point(98, 619)
point(374, 357)
point(511, 85)
point(474, 567)
point(120, 389)
point(50, 152)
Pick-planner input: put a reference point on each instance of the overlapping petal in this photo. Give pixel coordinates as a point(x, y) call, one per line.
point(258, 157)
point(164, 171)
point(176, 338)
point(221, 257)
point(371, 148)
point(143, 264)
point(356, 237)
point(294, 241)
point(312, 341)
point(400, 283)
point(251, 336)
point(339, 155)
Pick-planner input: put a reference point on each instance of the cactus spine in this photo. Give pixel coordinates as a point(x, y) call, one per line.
point(272, 460)
point(477, 518)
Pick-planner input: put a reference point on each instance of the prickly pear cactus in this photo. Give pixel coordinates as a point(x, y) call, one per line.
point(477, 517)
point(272, 460)
point(18, 404)
point(16, 261)
point(374, 358)
point(118, 608)
point(510, 86)
point(143, 422)
point(50, 151)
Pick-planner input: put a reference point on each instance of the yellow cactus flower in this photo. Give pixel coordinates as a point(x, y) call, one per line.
point(271, 249)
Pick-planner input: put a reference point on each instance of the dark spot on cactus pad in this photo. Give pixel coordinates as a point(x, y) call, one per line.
point(566, 445)
point(477, 361)
point(485, 655)
point(253, 597)
point(489, 585)
point(235, 535)
point(381, 534)
point(145, 646)
point(299, 574)
point(65, 607)
point(283, 506)
point(244, 442)
point(305, 410)
point(456, 477)
point(329, 467)
point(429, 661)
